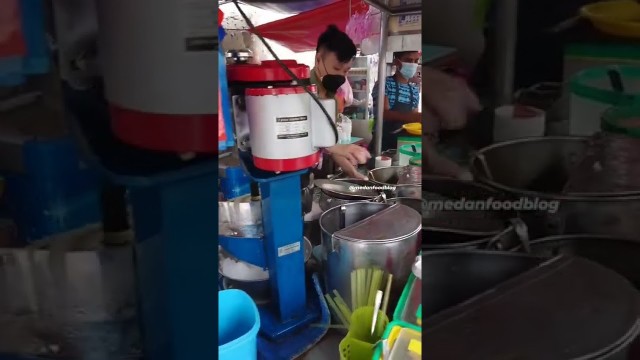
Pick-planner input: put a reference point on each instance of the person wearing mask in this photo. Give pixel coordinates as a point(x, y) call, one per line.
point(401, 97)
point(334, 57)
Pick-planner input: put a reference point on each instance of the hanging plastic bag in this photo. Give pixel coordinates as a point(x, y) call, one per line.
point(364, 22)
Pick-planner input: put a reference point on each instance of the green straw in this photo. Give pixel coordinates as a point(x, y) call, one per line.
point(336, 310)
point(342, 306)
point(354, 287)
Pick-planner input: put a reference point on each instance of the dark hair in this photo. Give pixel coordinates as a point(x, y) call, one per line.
point(400, 54)
point(337, 42)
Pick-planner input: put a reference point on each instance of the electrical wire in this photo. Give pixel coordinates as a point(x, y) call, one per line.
point(287, 70)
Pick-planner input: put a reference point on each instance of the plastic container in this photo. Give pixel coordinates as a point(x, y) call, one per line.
point(592, 94)
point(391, 334)
point(408, 346)
point(238, 325)
point(416, 160)
point(622, 120)
point(407, 140)
point(359, 344)
point(410, 302)
point(37, 59)
point(54, 192)
point(409, 151)
point(346, 126)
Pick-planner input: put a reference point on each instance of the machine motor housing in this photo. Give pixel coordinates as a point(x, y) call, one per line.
point(287, 127)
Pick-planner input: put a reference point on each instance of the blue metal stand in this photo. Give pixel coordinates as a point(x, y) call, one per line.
point(177, 257)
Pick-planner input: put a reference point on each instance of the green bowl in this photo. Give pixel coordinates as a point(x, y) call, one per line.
point(615, 120)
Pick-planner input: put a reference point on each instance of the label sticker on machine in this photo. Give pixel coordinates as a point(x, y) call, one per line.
point(292, 127)
point(200, 28)
point(288, 249)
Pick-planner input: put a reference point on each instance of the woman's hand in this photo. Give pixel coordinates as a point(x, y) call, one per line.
point(449, 98)
point(348, 157)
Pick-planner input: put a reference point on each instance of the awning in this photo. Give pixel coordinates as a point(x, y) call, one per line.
point(300, 33)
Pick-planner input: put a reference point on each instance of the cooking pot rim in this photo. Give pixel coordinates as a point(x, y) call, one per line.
point(382, 206)
point(574, 237)
point(601, 197)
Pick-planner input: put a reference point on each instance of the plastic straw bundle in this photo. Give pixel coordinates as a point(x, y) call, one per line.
point(364, 285)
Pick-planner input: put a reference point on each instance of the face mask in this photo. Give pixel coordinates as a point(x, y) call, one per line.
point(408, 70)
point(332, 82)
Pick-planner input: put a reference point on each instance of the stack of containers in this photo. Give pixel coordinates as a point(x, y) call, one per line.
point(402, 339)
point(225, 126)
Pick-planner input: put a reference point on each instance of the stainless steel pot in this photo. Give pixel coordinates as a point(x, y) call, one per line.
point(390, 176)
point(620, 255)
point(537, 169)
point(329, 200)
point(367, 234)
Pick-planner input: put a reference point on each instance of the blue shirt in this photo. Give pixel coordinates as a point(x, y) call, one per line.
point(407, 94)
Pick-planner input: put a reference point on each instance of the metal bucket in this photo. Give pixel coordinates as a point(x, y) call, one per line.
point(328, 200)
point(455, 229)
point(391, 247)
point(620, 255)
point(466, 291)
point(455, 276)
point(72, 298)
point(538, 169)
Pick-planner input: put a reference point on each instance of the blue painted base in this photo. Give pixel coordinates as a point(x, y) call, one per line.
point(273, 328)
point(297, 343)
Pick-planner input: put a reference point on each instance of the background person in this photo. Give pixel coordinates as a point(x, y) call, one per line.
point(401, 98)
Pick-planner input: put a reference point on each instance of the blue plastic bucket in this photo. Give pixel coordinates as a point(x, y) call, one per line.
point(238, 325)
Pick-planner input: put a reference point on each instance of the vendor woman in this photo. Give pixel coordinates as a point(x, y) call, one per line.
point(334, 58)
point(401, 98)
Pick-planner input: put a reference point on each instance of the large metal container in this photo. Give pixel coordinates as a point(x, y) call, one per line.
point(365, 235)
point(538, 169)
point(620, 255)
point(535, 299)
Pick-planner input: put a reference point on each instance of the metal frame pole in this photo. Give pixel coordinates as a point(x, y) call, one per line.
point(382, 74)
point(505, 51)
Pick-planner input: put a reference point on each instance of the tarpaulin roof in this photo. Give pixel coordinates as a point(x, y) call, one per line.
point(300, 32)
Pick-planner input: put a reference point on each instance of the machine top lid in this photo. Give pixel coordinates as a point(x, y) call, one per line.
point(267, 71)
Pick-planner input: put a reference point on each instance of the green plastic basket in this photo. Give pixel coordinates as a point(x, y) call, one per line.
point(404, 299)
point(377, 355)
point(359, 344)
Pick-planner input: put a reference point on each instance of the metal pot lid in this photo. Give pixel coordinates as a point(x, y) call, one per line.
point(345, 189)
point(393, 223)
point(567, 308)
